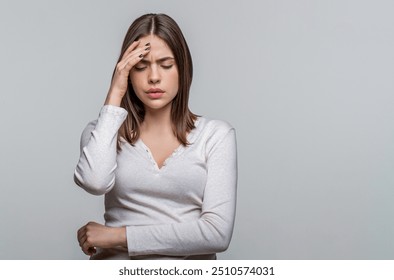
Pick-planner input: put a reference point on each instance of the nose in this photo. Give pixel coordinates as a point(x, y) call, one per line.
point(154, 75)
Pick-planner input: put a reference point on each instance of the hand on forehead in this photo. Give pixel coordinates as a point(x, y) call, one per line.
point(158, 48)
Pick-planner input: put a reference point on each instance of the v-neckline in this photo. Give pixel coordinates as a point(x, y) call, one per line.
point(152, 159)
point(175, 153)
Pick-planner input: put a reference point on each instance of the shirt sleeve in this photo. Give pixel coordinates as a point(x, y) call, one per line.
point(211, 233)
point(95, 171)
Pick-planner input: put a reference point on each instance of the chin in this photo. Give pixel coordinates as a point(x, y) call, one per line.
point(156, 105)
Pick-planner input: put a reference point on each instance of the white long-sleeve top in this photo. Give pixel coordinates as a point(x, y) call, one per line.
point(185, 209)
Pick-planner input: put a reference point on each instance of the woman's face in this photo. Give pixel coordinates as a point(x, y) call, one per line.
point(155, 77)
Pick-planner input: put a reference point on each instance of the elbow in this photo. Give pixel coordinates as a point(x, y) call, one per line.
point(93, 184)
point(219, 237)
point(221, 244)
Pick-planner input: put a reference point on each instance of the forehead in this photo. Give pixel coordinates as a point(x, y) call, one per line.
point(158, 47)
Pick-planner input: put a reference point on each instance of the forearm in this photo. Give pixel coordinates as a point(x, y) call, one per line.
point(114, 98)
point(180, 239)
point(95, 171)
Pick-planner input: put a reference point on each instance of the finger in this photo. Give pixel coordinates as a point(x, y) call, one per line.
point(140, 50)
point(132, 59)
point(92, 251)
point(130, 48)
point(82, 240)
point(85, 252)
point(85, 247)
point(81, 232)
point(133, 47)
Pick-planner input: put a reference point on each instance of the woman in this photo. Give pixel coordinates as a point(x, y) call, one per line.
point(168, 175)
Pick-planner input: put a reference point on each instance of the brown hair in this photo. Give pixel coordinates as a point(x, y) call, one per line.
point(182, 118)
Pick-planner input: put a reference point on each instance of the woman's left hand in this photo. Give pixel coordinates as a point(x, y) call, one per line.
point(94, 235)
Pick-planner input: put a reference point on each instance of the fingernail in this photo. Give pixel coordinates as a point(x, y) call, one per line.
point(147, 44)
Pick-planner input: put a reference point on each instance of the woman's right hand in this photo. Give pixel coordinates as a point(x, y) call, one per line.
point(131, 57)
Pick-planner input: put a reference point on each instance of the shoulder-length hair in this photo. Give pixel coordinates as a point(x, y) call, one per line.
point(182, 118)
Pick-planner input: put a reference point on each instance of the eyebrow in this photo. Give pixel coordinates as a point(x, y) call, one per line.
point(160, 60)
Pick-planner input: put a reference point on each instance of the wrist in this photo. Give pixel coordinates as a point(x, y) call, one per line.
point(113, 99)
point(120, 236)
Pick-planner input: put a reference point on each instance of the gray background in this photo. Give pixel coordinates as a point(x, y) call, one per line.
point(307, 84)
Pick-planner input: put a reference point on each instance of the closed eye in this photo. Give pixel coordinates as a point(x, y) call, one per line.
point(167, 66)
point(139, 68)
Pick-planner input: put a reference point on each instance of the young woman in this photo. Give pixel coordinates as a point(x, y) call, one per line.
point(169, 176)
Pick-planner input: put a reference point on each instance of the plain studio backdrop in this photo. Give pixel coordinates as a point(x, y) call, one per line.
point(308, 85)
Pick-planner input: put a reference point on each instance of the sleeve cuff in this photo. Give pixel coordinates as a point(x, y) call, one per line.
point(114, 110)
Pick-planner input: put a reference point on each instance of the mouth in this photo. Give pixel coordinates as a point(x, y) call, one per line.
point(155, 93)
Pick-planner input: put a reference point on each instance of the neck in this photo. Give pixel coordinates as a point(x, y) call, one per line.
point(157, 120)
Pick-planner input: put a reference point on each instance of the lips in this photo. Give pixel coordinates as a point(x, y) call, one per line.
point(155, 93)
